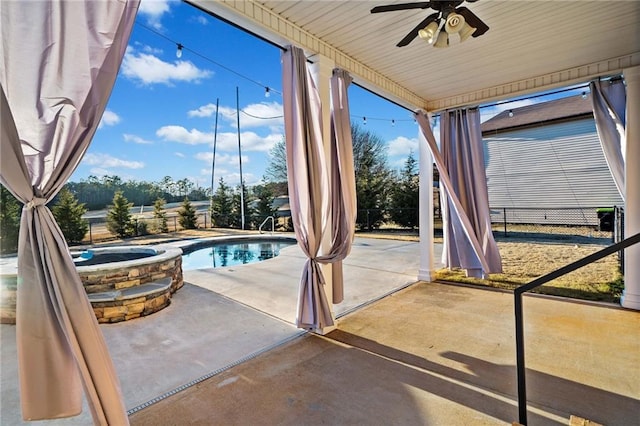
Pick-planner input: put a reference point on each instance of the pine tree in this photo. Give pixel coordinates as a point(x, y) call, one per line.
point(405, 195)
point(119, 220)
point(373, 177)
point(264, 203)
point(68, 213)
point(160, 215)
point(9, 221)
point(236, 209)
point(187, 213)
point(222, 206)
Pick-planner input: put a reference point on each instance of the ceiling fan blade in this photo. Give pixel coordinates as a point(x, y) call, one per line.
point(474, 21)
point(401, 6)
point(414, 32)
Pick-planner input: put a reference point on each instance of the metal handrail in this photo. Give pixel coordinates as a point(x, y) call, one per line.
point(273, 224)
point(518, 292)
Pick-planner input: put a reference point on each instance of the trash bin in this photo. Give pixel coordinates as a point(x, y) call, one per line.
point(605, 219)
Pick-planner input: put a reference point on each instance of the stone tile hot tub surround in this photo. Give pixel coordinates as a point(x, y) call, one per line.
point(118, 291)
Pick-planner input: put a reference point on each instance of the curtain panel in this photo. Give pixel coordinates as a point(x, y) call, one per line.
point(315, 196)
point(60, 61)
point(308, 183)
point(609, 99)
point(468, 239)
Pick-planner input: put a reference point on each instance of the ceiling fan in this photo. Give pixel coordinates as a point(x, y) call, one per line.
point(435, 29)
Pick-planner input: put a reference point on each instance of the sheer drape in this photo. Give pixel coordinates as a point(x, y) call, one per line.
point(609, 99)
point(469, 242)
point(60, 60)
point(314, 196)
point(308, 183)
point(342, 181)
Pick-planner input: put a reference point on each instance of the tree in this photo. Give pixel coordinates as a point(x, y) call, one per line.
point(119, 220)
point(68, 213)
point(187, 213)
point(10, 210)
point(277, 169)
point(222, 205)
point(160, 215)
point(264, 197)
point(373, 177)
point(236, 209)
point(405, 195)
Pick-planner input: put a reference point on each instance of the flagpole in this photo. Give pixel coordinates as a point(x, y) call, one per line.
point(240, 158)
point(213, 160)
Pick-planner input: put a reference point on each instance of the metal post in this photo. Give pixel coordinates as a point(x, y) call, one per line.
point(90, 233)
point(520, 363)
point(504, 220)
point(175, 226)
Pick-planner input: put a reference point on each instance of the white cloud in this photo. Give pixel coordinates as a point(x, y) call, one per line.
point(153, 11)
point(106, 161)
point(149, 69)
point(221, 158)
point(201, 20)
point(227, 141)
point(109, 118)
point(263, 114)
point(135, 139)
point(204, 111)
point(181, 135)
point(402, 146)
point(490, 112)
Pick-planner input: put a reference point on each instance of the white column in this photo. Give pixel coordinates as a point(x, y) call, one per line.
point(631, 294)
point(322, 69)
point(426, 272)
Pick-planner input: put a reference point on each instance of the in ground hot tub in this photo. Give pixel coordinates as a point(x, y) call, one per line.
point(122, 283)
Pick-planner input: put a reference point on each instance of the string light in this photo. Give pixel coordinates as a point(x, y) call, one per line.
point(584, 95)
point(364, 120)
point(266, 92)
point(181, 47)
point(510, 113)
point(393, 123)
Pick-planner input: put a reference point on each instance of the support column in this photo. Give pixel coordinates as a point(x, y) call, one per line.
point(322, 69)
point(426, 272)
point(631, 294)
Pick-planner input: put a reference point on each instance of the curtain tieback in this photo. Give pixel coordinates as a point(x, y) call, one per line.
point(35, 202)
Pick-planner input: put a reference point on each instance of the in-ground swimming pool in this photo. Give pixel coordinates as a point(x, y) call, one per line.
point(218, 254)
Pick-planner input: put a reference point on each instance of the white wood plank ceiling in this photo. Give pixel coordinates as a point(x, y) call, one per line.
point(531, 46)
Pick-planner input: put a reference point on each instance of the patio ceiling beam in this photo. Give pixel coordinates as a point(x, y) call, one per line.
point(257, 19)
point(564, 78)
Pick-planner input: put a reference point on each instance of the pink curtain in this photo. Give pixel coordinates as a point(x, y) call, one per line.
point(308, 183)
point(314, 195)
point(468, 238)
point(60, 61)
point(609, 100)
point(343, 182)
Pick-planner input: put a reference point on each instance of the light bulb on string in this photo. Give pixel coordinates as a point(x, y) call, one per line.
point(510, 113)
point(584, 95)
point(364, 120)
point(267, 93)
point(179, 51)
point(393, 123)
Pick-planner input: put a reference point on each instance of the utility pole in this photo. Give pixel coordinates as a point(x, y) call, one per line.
point(240, 158)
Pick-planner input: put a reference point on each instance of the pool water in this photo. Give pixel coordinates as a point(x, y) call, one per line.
point(222, 254)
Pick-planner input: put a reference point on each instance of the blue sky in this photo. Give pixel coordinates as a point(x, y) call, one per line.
point(160, 118)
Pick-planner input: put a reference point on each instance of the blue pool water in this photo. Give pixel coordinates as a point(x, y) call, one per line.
point(221, 254)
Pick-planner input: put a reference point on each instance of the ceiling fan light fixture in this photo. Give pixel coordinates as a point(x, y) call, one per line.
point(455, 23)
point(428, 33)
point(443, 40)
point(466, 32)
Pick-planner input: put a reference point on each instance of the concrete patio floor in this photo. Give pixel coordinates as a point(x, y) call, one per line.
point(226, 352)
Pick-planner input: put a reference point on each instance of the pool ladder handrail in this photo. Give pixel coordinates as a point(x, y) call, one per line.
point(273, 224)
